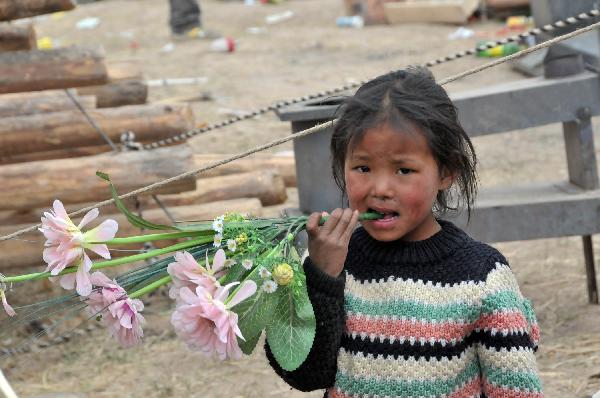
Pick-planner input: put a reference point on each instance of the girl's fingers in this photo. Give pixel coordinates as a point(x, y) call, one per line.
point(351, 225)
point(342, 225)
point(312, 225)
point(331, 222)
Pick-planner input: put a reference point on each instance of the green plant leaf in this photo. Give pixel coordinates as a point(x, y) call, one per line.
point(250, 344)
point(134, 219)
point(257, 311)
point(291, 334)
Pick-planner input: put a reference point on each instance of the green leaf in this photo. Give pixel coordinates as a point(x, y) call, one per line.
point(256, 312)
point(134, 219)
point(291, 334)
point(250, 344)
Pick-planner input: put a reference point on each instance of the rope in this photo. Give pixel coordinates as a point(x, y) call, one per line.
point(309, 131)
point(281, 104)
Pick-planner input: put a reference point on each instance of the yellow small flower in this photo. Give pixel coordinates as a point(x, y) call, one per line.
point(241, 238)
point(283, 274)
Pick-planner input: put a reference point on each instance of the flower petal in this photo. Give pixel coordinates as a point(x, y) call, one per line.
point(247, 289)
point(218, 260)
point(9, 310)
point(59, 210)
point(101, 250)
point(84, 284)
point(67, 281)
point(89, 216)
point(103, 232)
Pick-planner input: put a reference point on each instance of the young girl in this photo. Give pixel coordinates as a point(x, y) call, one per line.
point(409, 305)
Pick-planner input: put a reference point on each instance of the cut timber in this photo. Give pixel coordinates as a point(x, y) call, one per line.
point(18, 253)
point(266, 185)
point(504, 4)
point(17, 37)
point(15, 9)
point(21, 104)
point(447, 11)
point(37, 184)
point(126, 86)
point(48, 69)
point(284, 165)
point(53, 131)
point(56, 154)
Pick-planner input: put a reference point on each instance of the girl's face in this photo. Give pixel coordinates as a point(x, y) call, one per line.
point(394, 172)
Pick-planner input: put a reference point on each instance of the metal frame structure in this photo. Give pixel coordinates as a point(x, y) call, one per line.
point(568, 93)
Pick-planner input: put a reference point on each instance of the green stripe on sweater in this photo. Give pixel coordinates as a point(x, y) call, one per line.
point(510, 379)
point(503, 300)
point(403, 388)
point(411, 309)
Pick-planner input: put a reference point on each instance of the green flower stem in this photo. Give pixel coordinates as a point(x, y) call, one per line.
point(153, 237)
point(361, 217)
point(151, 287)
point(112, 263)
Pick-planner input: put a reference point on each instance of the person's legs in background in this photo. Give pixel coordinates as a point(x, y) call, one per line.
point(185, 18)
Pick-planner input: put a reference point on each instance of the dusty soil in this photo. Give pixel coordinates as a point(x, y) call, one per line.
point(303, 55)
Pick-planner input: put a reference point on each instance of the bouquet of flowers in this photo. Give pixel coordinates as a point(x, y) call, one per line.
point(230, 279)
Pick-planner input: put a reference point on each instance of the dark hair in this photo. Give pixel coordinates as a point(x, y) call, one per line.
point(405, 99)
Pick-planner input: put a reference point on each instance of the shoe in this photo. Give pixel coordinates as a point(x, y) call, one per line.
point(195, 33)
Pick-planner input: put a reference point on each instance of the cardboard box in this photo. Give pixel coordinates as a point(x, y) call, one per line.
point(446, 11)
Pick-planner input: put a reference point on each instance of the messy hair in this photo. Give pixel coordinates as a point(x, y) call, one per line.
point(402, 99)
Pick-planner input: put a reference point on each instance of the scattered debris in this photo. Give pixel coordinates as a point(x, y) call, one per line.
point(88, 23)
point(280, 17)
point(177, 81)
point(461, 33)
point(223, 45)
point(354, 21)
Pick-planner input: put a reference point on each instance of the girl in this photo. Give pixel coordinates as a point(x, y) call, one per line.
point(409, 305)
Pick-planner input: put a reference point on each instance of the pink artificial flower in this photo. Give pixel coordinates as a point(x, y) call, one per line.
point(9, 310)
point(120, 314)
point(186, 272)
point(206, 323)
point(66, 244)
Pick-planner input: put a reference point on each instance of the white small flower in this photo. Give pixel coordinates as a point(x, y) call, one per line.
point(217, 224)
point(229, 263)
point(231, 245)
point(217, 240)
point(247, 263)
point(269, 286)
point(264, 273)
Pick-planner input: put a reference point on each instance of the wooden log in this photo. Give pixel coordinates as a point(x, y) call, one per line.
point(55, 154)
point(266, 185)
point(15, 9)
point(126, 86)
point(52, 131)
point(21, 104)
point(49, 69)
point(17, 37)
point(37, 184)
point(27, 250)
point(285, 165)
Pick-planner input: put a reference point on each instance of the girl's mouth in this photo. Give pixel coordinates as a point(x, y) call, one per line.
point(389, 217)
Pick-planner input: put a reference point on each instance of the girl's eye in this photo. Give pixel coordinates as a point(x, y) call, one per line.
point(361, 169)
point(404, 171)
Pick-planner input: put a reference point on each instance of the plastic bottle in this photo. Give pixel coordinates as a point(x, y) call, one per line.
point(499, 51)
point(223, 45)
point(354, 21)
point(519, 22)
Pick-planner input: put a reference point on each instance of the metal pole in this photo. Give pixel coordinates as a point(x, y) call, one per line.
point(590, 269)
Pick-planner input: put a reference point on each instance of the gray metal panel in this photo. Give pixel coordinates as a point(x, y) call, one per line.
point(527, 103)
point(316, 189)
point(533, 212)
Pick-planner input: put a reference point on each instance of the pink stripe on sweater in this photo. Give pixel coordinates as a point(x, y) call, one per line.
point(439, 331)
point(494, 391)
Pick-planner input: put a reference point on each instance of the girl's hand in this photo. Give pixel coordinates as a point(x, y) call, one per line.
point(328, 244)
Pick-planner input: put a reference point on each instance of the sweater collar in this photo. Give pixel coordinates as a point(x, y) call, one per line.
point(431, 250)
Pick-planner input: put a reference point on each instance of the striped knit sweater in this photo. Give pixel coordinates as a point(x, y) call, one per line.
point(442, 317)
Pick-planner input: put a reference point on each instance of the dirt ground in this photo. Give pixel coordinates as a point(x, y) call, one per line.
point(303, 55)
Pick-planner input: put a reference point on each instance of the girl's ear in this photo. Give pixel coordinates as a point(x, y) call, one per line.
point(447, 180)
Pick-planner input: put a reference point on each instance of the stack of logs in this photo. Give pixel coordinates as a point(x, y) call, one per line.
point(50, 150)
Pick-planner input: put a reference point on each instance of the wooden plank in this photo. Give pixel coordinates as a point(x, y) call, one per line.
point(15, 9)
point(17, 37)
point(446, 11)
point(49, 69)
point(37, 184)
point(22, 104)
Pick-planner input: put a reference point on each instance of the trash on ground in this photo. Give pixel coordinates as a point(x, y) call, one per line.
point(223, 45)
point(88, 23)
point(353, 21)
point(280, 17)
point(177, 81)
point(256, 30)
point(499, 51)
point(461, 33)
point(167, 48)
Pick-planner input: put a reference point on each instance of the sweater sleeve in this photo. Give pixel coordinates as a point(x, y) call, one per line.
point(318, 371)
point(507, 338)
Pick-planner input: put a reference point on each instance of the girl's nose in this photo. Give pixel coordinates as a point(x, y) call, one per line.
point(382, 187)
